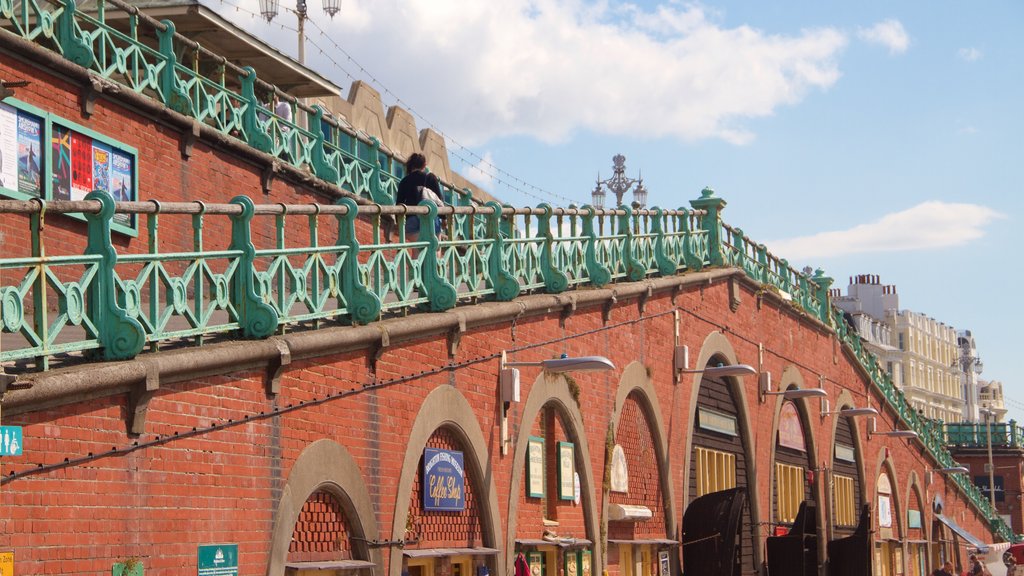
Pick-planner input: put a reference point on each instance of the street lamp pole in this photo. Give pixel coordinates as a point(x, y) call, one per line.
point(991, 467)
point(269, 9)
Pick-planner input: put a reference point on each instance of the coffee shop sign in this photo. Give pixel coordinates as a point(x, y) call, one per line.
point(444, 481)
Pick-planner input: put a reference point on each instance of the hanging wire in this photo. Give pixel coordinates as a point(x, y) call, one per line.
point(468, 157)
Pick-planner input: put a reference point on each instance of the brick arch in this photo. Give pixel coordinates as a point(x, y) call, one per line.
point(792, 378)
point(324, 465)
point(846, 400)
point(717, 345)
point(553, 390)
point(635, 379)
point(445, 406)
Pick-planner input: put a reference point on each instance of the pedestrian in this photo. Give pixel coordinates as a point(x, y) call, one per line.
point(944, 570)
point(417, 186)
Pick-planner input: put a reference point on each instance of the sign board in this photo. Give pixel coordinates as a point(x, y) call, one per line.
point(845, 453)
point(6, 563)
point(218, 560)
point(791, 433)
point(716, 421)
point(566, 469)
point(444, 481)
point(982, 483)
point(620, 471)
point(665, 567)
point(913, 518)
point(10, 441)
point(535, 467)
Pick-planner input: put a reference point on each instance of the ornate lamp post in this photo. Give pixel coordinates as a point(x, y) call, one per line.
point(619, 184)
point(269, 9)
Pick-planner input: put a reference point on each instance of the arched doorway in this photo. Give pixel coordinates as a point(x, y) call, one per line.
point(792, 549)
point(917, 536)
point(719, 467)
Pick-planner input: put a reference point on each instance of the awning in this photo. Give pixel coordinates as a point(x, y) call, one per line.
point(439, 552)
point(971, 539)
point(331, 565)
point(560, 542)
point(642, 541)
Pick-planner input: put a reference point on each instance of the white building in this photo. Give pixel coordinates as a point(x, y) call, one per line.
point(921, 354)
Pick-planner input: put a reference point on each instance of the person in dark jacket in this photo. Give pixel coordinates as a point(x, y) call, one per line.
point(411, 192)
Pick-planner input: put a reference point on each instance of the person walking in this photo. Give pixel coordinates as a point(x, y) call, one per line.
point(418, 185)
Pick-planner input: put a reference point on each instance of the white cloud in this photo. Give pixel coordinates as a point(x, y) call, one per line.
point(926, 226)
point(550, 68)
point(481, 173)
point(969, 54)
point(888, 33)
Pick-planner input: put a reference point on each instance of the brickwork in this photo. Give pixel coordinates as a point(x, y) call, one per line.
point(634, 435)
point(321, 533)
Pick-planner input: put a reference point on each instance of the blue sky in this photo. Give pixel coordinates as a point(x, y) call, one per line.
point(863, 138)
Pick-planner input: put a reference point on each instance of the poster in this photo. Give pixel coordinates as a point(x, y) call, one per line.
point(535, 468)
point(61, 162)
point(8, 147)
point(121, 181)
point(81, 165)
point(884, 511)
point(791, 433)
point(566, 470)
point(100, 167)
point(30, 130)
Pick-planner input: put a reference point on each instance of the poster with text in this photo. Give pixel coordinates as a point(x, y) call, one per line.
point(30, 142)
point(60, 160)
point(8, 147)
point(81, 165)
point(100, 167)
point(121, 183)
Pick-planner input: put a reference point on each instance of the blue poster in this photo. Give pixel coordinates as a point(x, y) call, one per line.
point(29, 144)
point(444, 481)
point(121, 181)
point(100, 166)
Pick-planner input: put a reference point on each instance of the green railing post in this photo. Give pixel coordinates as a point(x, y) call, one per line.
point(255, 135)
point(666, 267)
point(440, 294)
point(174, 96)
point(712, 224)
point(635, 270)
point(555, 280)
point(823, 284)
point(691, 258)
point(121, 336)
point(72, 45)
point(598, 272)
point(1014, 438)
point(256, 318)
point(377, 193)
point(363, 305)
point(321, 167)
point(505, 286)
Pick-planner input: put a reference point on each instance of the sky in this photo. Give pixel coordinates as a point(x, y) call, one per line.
point(870, 137)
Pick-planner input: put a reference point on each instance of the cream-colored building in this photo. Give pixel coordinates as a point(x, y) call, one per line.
point(990, 397)
point(920, 353)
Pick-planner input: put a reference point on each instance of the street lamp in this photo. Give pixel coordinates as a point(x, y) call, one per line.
point(873, 431)
point(508, 380)
point(619, 184)
point(991, 467)
point(269, 9)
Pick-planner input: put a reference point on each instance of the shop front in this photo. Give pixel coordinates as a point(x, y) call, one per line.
point(849, 548)
point(888, 557)
point(792, 550)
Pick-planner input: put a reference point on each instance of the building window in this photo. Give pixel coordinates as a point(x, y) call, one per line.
point(789, 482)
point(902, 341)
point(716, 471)
point(844, 508)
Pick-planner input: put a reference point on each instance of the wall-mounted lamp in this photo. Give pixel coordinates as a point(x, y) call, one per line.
point(765, 390)
point(508, 380)
point(908, 434)
point(948, 470)
point(849, 412)
point(681, 362)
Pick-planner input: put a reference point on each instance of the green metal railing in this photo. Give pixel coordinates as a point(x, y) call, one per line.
point(114, 305)
point(977, 434)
